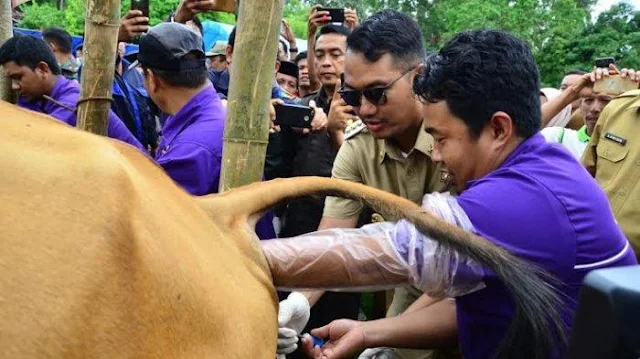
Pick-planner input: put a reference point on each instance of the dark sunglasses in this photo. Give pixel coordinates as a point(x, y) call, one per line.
point(375, 95)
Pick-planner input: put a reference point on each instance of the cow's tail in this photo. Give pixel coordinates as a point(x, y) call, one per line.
point(537, 328)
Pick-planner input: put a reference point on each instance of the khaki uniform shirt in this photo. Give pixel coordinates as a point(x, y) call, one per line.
point(379, 164)
point(613, 158)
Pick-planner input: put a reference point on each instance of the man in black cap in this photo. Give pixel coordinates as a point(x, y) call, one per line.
point(287, 77)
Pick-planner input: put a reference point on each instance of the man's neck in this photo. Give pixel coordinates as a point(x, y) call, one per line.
point(328, 91)
point(304, 90)
point(178, 98)
point(50, 84)
point(407, 139)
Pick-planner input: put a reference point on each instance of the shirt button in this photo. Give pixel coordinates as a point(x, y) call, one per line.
point(622, 192)
point(607, 152)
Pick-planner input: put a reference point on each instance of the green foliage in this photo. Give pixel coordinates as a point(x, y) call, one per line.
point(560, 32)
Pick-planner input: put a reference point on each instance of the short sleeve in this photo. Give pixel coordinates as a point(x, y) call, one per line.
point(345, 167)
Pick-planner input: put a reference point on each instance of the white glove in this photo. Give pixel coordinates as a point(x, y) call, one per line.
point(293, 316)
point(377, 353)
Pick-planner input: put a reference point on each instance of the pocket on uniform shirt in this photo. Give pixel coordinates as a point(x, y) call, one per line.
point(610, 156)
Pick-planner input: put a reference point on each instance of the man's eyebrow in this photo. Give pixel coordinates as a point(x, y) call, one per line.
point(376, 83)
point(430, 130)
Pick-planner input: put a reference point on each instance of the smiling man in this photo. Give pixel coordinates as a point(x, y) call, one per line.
point(481, 104)
point(388, 149)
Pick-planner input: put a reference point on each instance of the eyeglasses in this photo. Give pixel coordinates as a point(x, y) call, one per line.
point(375, 95)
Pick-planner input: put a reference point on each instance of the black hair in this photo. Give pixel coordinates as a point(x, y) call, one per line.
point(189, 78)
point(60, 37)
point(481, 72)
point(232, 37)
point(389, 32)
point(301, 56)
point(284, 45)
point(198, 24)
point(333, 29)
point(574, 72)
point(28, 51)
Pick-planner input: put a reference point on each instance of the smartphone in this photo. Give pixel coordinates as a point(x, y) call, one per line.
point(337, 14)
point(604, 62)
point(294, 115)
point(142, 5)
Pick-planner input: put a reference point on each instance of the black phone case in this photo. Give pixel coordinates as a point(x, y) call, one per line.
point(294, 116)
point(337, 15)
point(142, 5)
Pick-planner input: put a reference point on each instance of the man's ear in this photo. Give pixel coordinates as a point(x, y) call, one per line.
point(501, 127)
point(154, 82)
point(229, 52)
point(42, 69)
point(277, 65)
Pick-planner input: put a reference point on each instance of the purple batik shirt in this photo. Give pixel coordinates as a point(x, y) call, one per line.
point(67, 92)
point(191, 148)
point(542, 206)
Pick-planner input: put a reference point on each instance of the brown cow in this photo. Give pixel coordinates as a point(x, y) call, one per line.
point(103, 256)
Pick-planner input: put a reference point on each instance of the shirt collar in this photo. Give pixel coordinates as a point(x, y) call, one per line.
point(189, 113)
point(424, 143)
point(582, 134)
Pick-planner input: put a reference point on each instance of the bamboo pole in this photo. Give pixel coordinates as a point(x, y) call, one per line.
point(246, 131)
point(6, 32)
point(99, 51)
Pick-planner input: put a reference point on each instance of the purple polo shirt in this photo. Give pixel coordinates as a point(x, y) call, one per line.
point(67, 92)
point(544, 207)
point(191, 148)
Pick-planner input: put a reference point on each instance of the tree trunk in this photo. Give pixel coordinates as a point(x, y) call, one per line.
point(252, 74)
point(99, 52)
point(6, 32)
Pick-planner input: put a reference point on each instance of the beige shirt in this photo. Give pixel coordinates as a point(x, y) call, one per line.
point(380, 164)
point(613, 158)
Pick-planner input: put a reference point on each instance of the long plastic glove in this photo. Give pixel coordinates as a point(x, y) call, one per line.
point(377, 353)
point(293, 316)
point(377, 256)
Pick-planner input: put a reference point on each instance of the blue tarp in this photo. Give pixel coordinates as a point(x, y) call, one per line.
point(213, 31)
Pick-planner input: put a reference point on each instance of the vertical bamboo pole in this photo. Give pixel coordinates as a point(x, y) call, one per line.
point(6, 32)
point(99, 51)
point(246, 131)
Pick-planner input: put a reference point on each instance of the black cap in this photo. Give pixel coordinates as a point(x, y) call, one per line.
point(165, 46)
point(288, 68)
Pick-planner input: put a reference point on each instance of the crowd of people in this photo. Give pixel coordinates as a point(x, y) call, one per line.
point(548, 174)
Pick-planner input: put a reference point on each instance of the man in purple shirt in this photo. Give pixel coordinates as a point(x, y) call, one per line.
point(481, 104)
point(176, 79)
point(36, 76)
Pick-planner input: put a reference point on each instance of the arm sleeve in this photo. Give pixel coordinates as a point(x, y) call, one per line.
point(377, 256)
point(345, 167)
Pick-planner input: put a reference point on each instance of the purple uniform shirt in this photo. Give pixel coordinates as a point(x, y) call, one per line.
point(67, 92)
point(191, 148)
point(544, 207)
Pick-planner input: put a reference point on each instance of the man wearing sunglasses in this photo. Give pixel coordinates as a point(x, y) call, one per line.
point(388, 149)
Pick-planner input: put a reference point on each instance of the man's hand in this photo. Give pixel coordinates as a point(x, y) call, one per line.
point(351, 19)
point(188, 9)
point(272, 114)
point(287, 34)
point(293, 316)
point(319, 122)
point(343, 337)
point(132, 25)
point(340, 114)
point(317, 18)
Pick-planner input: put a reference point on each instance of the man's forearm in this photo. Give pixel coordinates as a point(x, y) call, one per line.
point(553, 107)
point(430, 327)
